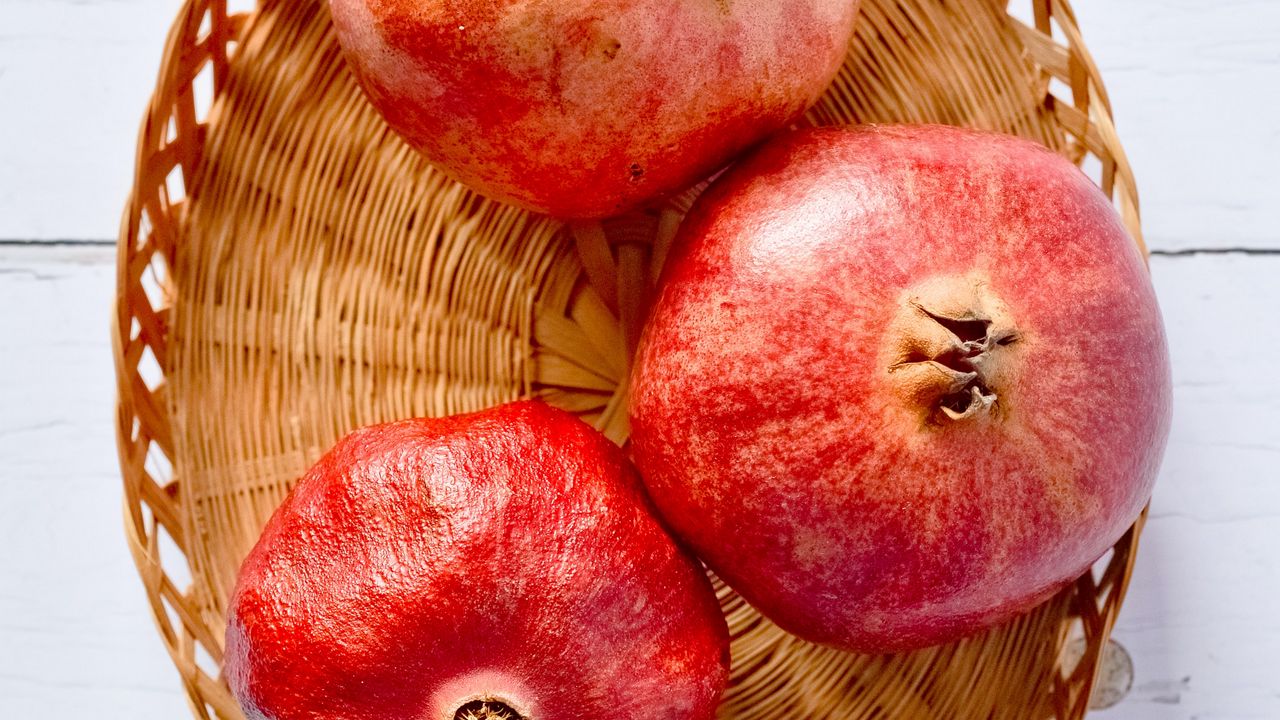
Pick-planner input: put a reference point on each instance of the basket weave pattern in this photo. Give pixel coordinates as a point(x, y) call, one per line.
point(288, 270)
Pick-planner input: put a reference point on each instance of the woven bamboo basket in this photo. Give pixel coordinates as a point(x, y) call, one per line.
point(289, 270)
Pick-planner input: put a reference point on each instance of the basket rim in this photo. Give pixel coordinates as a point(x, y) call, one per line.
point(171, 138)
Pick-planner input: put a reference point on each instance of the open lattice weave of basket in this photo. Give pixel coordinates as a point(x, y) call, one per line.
point(289, 270)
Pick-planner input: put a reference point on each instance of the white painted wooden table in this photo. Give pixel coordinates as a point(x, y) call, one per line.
point(1196, 89)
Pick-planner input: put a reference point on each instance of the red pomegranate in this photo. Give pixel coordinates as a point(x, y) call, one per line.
point(901, 383)
point(498, 565)
point(585, 108)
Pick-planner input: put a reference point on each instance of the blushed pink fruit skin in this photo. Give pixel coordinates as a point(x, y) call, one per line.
point(764, 416)
point(509, 554)
point(587, 108)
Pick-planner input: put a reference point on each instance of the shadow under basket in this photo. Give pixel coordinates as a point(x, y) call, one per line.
point(289, 270)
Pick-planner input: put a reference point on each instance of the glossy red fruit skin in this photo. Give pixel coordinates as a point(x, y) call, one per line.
point(767, 407)
point(508, 553)
point(587, 108)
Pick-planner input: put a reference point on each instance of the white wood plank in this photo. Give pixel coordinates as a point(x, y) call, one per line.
point(1200, 619)
point(75, 77)
point(76, 632)
point(1193, 85)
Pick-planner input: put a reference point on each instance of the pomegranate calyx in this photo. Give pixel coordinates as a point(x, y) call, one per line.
point(490, 709)
point(948, 340)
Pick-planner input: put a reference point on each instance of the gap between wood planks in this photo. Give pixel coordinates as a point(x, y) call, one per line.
point(100, 242)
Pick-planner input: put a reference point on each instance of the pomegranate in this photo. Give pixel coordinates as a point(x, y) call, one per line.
point(499, 565)
point(586, 108)
point(901, 383)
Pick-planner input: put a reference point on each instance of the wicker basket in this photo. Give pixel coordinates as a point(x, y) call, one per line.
point(288, 270)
